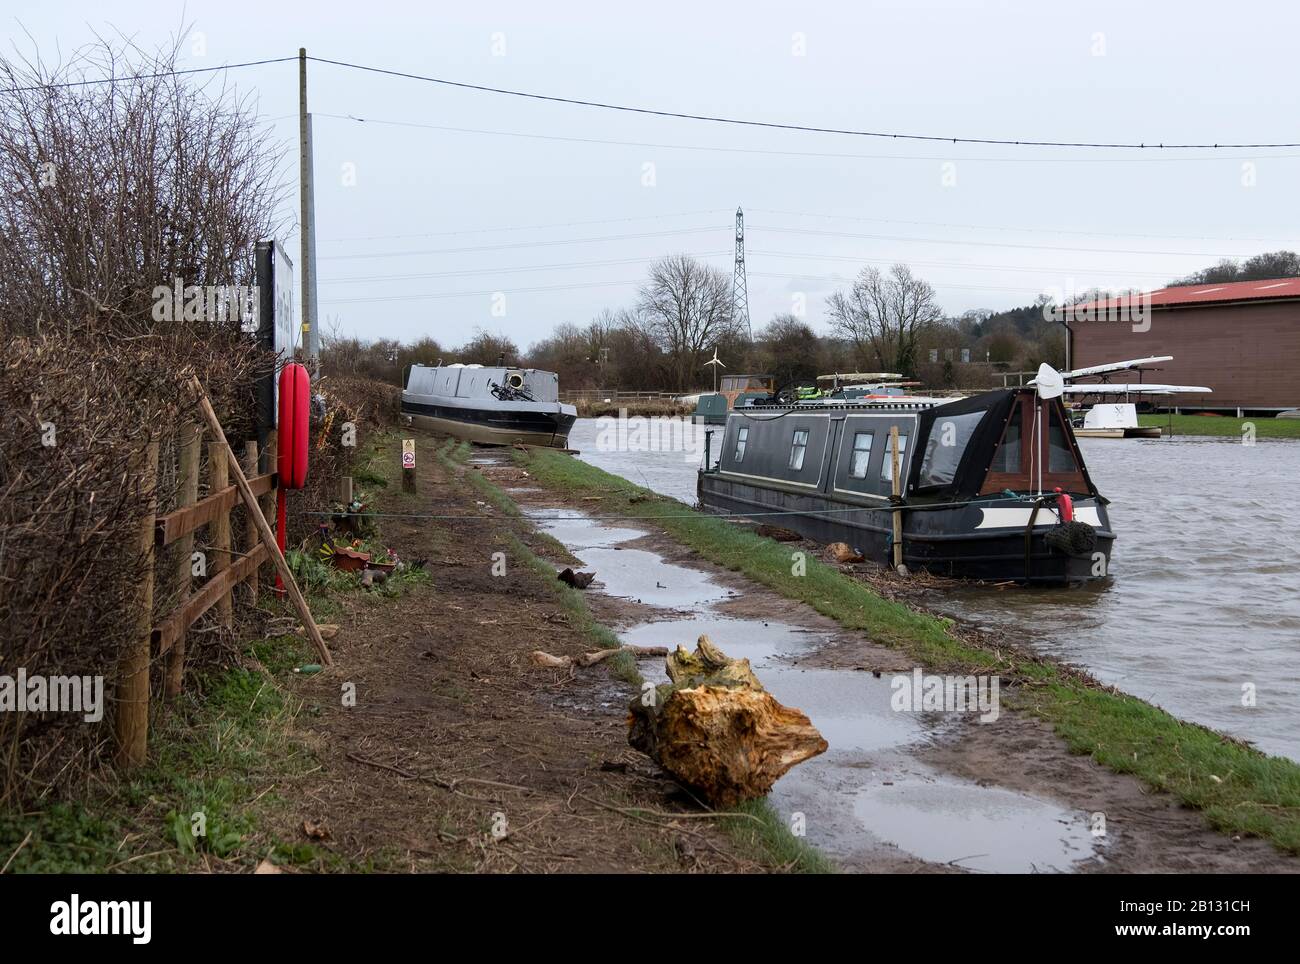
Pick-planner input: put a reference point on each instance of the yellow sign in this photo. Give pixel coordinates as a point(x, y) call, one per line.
point(408, 453)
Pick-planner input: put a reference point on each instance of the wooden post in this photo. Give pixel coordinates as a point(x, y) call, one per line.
point(250, 527)
point(219, 478)
point(269, 460)
point(897, 489)
point(188, 440)
point(345, 490)
point(264, 530)
point(131, 714)
point(408, 465)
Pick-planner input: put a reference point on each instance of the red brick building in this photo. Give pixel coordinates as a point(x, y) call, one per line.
point(1242, 339)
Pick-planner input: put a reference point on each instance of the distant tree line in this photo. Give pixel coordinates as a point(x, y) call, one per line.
point(884, 321)
point(1262, 267)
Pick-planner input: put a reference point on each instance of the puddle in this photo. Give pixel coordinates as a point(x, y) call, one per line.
point(631, 573)
point(867, 792)
point(980, 828)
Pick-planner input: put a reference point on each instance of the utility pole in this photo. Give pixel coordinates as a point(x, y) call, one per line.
point(307, 222)
point(739, 286)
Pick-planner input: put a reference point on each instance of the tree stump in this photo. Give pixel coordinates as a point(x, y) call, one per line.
point(715, 728)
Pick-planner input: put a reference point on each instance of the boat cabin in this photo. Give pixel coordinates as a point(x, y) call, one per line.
point(967, 448)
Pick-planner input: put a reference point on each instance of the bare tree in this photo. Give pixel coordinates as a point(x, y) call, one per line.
point(116, 188)
point(686, 307)
point(882, 316)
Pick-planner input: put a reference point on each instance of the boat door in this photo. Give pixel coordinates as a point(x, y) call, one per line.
point(834, 431)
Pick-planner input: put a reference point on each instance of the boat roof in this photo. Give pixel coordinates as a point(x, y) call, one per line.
point(861, 376)
point(893, 403)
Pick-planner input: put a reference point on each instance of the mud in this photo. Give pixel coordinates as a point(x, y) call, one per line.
point(896, 791)
point(460, 754)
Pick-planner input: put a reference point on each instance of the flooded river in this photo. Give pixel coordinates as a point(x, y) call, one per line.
point(869, 795)
point(1203, 612)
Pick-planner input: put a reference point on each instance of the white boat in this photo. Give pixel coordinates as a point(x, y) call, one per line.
point(491, 406)
point(1105, 419)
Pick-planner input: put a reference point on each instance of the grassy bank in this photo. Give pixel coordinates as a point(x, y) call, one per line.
point(1220, 426)
point(761, 834)
point(1239, 789)
point(218, 757)
point(215, 761)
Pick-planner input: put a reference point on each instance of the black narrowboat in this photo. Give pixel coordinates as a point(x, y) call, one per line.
point(994, 485)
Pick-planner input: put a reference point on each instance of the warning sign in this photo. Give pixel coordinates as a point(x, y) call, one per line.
point(408, 453)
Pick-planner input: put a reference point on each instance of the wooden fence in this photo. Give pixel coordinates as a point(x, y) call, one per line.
point(224, 568)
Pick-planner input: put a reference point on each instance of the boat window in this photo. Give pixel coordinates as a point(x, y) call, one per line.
point(797, 448)
point(741, 438)
point(861, 454)
point(1006, 460)
point(887, 463)
point(947, 444)
point(1060, 457)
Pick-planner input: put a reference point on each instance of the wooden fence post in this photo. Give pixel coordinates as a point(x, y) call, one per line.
point(131, 714)
point(250, 500)
point(251, 538)
point(218, 479)
point(345, 491)
point(267, 501)
point(189, 438)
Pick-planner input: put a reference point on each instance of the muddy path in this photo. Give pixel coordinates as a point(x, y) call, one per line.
point(897, 792)
point(460, 754)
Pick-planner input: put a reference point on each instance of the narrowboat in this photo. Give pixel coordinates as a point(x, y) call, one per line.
point(736, 390)
point(992, 487)
point(491, 406)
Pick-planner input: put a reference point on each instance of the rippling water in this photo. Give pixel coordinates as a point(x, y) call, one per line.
point(1205, 599)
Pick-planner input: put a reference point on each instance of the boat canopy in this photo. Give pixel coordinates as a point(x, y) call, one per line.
point(985, 444)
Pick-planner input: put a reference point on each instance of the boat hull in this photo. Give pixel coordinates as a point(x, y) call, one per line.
point(497, 426)
point(983, 540)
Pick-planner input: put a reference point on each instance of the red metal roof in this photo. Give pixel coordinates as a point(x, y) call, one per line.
point(1203, 294)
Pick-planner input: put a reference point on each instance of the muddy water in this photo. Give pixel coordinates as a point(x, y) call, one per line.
point(867, 793)
point(1204, 598)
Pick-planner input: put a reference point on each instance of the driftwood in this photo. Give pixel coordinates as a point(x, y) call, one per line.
point(779, 533)
point(542, 658)
point(578, 580)
point(716, 729)
point(843, 552)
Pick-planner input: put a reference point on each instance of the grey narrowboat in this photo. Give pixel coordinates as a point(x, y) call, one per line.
point(491, 406)
point(994, 486)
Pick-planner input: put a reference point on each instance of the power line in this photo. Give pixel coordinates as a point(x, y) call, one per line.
point(776, 230)
point(521, 227)
point(366, 279)
point(995, 227)
point(487, 291)
point(838, 279)
point(1045, 269)
point(990, 244)
point(154, 76)
point(716, 119)
point(517, 244)
point(838, 155)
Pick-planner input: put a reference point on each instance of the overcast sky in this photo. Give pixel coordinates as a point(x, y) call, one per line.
point(497, 205)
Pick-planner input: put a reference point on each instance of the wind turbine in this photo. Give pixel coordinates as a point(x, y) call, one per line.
point(715, 362)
